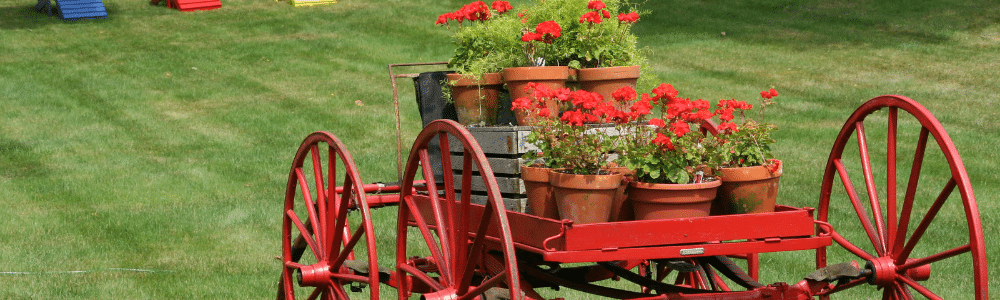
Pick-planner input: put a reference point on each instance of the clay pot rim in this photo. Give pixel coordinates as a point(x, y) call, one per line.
point(608, 73)
point(537, 73)
point(529, 173)
point(754, 173)
point(555, 175)
point(456, 79)
point(676, 186)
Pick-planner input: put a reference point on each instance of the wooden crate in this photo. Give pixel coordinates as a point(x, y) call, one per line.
point(503, 146)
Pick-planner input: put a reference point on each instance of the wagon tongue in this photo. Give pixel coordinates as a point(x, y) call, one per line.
point(838, 272)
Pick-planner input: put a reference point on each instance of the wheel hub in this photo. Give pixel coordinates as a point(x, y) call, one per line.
point(315, 275)
point(885, 272)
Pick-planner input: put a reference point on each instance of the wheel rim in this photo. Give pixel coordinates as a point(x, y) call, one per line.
point(899, 243)
point(325, 229)
point(454, 261)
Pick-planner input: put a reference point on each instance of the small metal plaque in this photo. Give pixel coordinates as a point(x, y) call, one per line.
point(692, 251)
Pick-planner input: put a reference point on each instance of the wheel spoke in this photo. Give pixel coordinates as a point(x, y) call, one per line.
point(348, 247)
point(858, 208)
point(919, 288)
point(450, 235)
point(464, 213)
point(422, 225)
point(890, 186)
point(321, 196)
point(444, 249)
point(896, 291)
point(476, 249)
point(342, 206)
point(925, 222)
point(304, 233)
point(850, 246)
point(911, 190)
point(876, 211)
point(419, 275)
point(488, 284)
point(336, 291)
point(315, 293)
point(935, 258)
point(310, 208)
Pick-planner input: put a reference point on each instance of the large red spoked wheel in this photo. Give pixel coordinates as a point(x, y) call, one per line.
point(465, 250)
point(327, 228)
point(901, 225)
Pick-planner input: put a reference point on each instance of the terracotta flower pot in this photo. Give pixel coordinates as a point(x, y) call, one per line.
point(621, 207)
point(540, 200)
point(476, 99)
point(517, 78)
point(606, 81)
point(654, 201)
point(747, 190)
point(585, 199)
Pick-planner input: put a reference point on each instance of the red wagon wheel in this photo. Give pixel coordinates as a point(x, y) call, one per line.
point(465, 250)
point(326, 215)
point(903, 230)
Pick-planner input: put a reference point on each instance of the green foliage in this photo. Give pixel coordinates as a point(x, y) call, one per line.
point(578, 149)
point(747, 142)
point(486, 47)
point(750, 146)
point(581, 45)
point(655, 164)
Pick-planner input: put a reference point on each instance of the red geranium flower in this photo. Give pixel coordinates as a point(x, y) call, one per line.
point(531, 36)
point(631, 17)
point(549, 30)
point(768, 94)
point(680, 128)
point(663, 141)
point(502, 6)
point(665, 91)
point(624, 94)
point(591, 16)
point(598, 4)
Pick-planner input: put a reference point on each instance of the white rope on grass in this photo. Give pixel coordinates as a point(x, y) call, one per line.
point(88, 271)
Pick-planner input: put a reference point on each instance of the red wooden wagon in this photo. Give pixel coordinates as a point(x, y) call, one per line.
point(448, 247)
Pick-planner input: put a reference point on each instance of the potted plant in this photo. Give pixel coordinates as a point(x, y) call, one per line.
point(748, 169)
point(604, 48)
point(536, 47)
point(669, 154)
point(577, 153)
point(483, 48)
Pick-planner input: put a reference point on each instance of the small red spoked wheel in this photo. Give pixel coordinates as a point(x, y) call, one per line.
point(465, 250)
point(907, 224)
point(327, 239)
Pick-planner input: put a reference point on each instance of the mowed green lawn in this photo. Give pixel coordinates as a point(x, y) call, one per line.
point(150, 149)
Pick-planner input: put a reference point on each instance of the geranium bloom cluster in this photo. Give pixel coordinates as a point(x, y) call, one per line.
point(631, 17)
point(726, 109)
point(545, 32)
point(475, 11)
point(568, 142)
point(679, 114)
point(586, 107)
point(597, 13)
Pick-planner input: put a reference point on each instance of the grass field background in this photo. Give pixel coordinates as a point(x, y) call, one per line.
point(160, 140)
